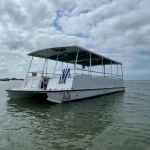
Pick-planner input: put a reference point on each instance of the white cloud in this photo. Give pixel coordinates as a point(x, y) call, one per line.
point(116, 28)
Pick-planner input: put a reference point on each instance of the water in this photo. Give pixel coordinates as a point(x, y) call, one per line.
point(114, 122)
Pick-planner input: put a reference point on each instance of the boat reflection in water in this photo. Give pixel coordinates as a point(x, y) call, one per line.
point(85, 119)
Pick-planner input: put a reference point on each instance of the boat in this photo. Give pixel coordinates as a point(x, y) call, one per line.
point(74, 82)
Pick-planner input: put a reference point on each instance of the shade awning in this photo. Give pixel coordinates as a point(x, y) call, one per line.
point(68, 55)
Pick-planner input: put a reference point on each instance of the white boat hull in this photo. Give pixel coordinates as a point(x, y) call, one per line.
point(78, 87)
point(64, 96)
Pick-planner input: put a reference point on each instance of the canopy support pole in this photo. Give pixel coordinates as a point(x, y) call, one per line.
point(111, 68)
point(102, 68)
point(46, 67)
point(56, 63)
point(62, 66)
point(76, 61)
point(122, 71)
point(117, 70)
point(90, 64)
point(29, 66)
point(46, 62)
point(43, 67)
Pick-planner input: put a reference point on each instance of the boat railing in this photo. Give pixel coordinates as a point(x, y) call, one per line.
point(97, 73)
point(76, 71)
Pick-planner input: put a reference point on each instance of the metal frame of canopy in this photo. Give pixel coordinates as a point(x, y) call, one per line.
point(75, 55)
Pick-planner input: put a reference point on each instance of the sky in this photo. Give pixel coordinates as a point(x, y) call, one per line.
point(119, 29)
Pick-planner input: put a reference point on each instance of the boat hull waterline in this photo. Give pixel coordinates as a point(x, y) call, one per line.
point(64, 96)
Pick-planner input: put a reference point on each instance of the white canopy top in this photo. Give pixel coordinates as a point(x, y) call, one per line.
point(68, 54)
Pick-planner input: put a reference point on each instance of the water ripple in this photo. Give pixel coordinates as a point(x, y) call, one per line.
point(118, 121)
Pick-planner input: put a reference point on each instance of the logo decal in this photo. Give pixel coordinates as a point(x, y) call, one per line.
point(64, 75)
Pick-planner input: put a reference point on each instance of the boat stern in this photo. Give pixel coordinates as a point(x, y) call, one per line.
point(18, 94)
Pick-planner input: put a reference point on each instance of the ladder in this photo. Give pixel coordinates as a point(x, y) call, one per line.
point(66, 96)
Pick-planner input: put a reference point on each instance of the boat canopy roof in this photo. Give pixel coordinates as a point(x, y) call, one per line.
point(68, 55)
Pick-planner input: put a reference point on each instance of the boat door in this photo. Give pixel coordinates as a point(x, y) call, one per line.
point(44, 83)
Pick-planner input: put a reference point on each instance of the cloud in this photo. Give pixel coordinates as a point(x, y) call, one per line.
point(116, 28)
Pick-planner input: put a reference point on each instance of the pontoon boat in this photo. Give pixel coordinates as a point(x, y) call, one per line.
point(71, 83)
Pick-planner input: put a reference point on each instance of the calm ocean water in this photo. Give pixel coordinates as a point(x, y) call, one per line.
point(114, 122)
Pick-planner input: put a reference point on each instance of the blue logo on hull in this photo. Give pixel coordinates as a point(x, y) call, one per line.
point(64, 75)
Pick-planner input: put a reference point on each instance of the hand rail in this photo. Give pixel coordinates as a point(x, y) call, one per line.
point(99, 72)
point(82, 73)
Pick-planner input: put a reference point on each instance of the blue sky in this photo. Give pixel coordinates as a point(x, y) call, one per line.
point(119, 29)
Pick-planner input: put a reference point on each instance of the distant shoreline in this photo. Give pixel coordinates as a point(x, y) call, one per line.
point(136, 80)
point(8, 79)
